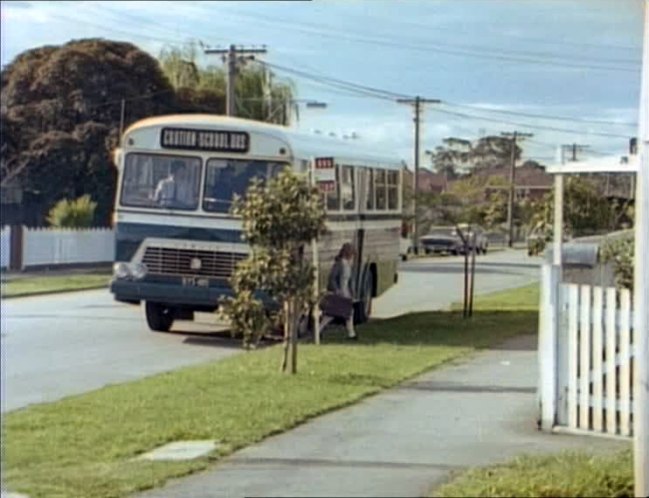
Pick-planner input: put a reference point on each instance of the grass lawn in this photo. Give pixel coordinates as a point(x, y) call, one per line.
point(565, 474)
point(26, 286)
point(84, 446)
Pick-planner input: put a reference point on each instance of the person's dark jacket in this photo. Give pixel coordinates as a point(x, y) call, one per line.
point(334, 284)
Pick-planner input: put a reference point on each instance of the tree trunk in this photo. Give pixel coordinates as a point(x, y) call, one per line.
point(287, 337)
point(294, 320)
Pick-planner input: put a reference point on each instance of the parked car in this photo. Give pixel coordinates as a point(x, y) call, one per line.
point(442, 240)
point(481, 240)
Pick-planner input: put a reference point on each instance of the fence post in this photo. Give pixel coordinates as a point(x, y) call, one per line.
point(547, 350)
point(562, 351)
point(16, 248)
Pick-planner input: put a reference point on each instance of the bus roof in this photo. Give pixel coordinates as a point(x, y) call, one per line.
point(302, 145)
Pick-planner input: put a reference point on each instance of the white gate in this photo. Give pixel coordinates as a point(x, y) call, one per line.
point(597, 351)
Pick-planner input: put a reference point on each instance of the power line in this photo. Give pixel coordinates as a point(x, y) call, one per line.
point(116, 30)
point(525, 125)
point(337, 83)
point(389, 95)
point(533, 58)
point(542, 116)
point(550, 41)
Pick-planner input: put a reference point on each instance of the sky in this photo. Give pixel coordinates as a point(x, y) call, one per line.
point(567, 71)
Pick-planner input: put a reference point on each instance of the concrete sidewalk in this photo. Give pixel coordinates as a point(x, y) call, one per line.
point(403, 442)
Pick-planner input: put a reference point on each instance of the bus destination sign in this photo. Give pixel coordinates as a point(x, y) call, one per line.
point(209, 140)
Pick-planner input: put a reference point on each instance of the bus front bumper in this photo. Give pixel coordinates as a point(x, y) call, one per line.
point(203, 298)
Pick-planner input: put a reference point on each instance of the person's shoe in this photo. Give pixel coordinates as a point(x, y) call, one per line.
point(352, 337)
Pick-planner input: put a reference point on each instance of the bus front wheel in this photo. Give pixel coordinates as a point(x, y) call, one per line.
point(159, 317)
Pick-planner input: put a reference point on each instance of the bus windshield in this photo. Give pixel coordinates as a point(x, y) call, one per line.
point(226, 177)
point(161, 181)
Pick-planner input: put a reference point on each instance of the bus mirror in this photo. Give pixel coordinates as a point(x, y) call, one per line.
point(117, 157)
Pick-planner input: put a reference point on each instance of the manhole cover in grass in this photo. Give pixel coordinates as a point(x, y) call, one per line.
point(180, 450)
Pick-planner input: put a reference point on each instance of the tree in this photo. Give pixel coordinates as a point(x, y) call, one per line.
point(61, 111)
point(78, 213)
point(495, 212)
point(620, 252)
point(493, 152)
point(448, 159)
point(203, 89)
point(459, 154)
point(279, 218)
point(585, 212)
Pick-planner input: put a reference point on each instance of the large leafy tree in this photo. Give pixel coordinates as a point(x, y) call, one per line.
point(61, 112)
point(458, 154)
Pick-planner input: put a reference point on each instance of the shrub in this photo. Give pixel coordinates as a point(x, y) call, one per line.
point(620, 253)
point(78, 213)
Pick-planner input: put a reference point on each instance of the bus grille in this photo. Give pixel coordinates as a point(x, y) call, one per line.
point(191, 262)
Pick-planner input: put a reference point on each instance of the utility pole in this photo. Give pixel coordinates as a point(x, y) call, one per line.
point(640, 284)
point(232, 56)
point(417, 103)
point(512, 182)
point(576, 148)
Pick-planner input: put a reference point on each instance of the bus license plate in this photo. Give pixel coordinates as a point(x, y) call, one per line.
point(195, 282)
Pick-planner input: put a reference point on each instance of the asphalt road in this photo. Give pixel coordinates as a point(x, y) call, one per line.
point(65, 344)
point(427, 284)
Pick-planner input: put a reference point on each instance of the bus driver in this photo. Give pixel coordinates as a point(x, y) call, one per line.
point(175, 190)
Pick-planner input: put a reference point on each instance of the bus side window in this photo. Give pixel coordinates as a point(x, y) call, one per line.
point(393, 190)
point(348, 189)
point(380, 189)
point(333, 197)
point(369, 189)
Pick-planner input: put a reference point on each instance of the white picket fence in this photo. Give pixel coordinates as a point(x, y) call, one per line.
point(600, 359)
point(5, 247)
point(47, 246)
point(586, 357)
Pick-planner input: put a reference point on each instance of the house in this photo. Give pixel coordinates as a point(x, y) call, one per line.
point(531, 181)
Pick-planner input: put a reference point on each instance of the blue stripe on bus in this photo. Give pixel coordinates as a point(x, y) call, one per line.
point(129, 236)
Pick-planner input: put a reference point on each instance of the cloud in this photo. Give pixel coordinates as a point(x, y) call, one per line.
point(24, 12)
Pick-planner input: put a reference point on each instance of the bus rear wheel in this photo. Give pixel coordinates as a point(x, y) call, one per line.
point(159, 317)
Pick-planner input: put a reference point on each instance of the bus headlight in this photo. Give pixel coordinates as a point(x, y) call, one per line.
point(121, 270)
point(139, 271)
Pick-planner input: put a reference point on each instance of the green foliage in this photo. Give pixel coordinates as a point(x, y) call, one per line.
point(28, 286)
point(495, 212)
point(566, 474)
point(61, 117)
point(487, 152)
point(85, 446)
point(203, 89)
point(78, 213)
point(279, 218)
point(585, 212)
point(620, 252)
